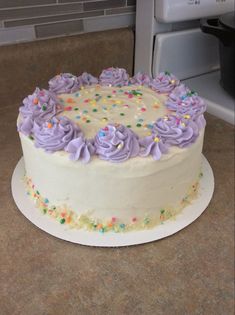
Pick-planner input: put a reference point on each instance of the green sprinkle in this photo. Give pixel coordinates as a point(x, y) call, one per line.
point(109, 96)
point(146, 220)
point(62, 221)
point(167, 73)
point(31, 137)
point(88, 121)
point(201, 174)
point(44, 211)
point(37, 192)
point(94, 110)
point(162, 211)
point(122, 114)
point(76, 108)
point(128, 126)
point(138, 125)
point(97, 94)
point(44, 107)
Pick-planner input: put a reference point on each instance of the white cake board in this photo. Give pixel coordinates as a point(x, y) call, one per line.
point(112, 239)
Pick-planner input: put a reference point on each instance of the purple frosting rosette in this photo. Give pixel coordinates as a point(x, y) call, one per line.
point(164, 82)
point(40, 106)
point(187, 104)
point(55, 134)
point(80, 149)
point(114, 77)
point(140, 79)
point(64, 83)
point(176, 131)
point(152, 145)
point(116, 143)
point(87, 79)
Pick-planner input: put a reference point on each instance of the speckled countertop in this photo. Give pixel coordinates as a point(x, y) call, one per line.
point(188, 273)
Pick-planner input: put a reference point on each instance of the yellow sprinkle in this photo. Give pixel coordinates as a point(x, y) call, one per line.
point(156, 139)
point(187, 116)
point(118, 102)
point(104, 119)
point(183, 124)
point(119, 146)
point(172, 81)
point(82, 87)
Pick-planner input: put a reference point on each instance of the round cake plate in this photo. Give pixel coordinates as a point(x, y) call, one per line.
point(112, 239)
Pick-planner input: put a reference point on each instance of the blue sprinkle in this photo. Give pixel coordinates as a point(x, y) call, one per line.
point(78, 117)
point(85, 111)
point(114, 105)
point(183, 97)
point(101, 134)
point(149, 126)
point(122, 226)
point(77, 94)
point(140, 119)
point(46, 200)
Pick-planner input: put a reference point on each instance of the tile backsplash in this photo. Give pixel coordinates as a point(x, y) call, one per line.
point(27, 20)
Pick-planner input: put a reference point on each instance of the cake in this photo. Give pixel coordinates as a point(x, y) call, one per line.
point(113, 153)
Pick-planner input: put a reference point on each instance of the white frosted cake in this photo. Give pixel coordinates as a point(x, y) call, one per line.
point(112, 153)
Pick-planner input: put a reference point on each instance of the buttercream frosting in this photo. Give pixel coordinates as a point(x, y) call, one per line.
point(55, 134)
point(116, 143)
point(164, 82)
point(64, 83)
point(114, 76)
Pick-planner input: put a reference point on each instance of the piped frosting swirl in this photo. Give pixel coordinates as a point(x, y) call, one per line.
point(55, 134)
point(64, 83)
point(116, 143)
point(114, 77)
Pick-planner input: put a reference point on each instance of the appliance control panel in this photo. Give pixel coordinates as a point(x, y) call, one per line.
point(168, 11)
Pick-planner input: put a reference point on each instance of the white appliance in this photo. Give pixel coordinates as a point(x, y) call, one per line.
point(168, 37)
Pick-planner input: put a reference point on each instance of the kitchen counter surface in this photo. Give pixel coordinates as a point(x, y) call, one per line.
point(190, 272)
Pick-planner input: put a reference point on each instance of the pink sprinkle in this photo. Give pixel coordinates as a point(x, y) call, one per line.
point(177, 121)
point(126, 105)
point(68, 108)
point(114, 91)
point(130, 95)
point(143, 109)
point(105, 128)
point(126, 93)
point(87, 100)
point(114, 219)
point(134, 219)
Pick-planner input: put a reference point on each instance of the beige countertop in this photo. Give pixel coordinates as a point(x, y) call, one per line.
point(190, 272)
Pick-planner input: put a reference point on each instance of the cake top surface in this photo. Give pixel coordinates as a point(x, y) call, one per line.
point(114, 117)
point(136, 107)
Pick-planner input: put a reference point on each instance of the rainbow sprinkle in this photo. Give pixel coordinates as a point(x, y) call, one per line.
point(65, 216)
